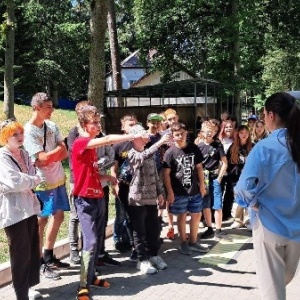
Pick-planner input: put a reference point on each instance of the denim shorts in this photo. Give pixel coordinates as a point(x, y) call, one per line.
point(214, 198)
point(183, 204)
point(53, 200)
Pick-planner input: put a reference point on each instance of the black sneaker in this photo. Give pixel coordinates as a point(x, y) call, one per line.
point(133, 256)
point(107, 260)
point(120, 246)
point(207, 234)
point(56, 263)
point(74, 257)
point(47, 272)
point(221, 235)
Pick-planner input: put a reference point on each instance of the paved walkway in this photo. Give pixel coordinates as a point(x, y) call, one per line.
point(224, 273)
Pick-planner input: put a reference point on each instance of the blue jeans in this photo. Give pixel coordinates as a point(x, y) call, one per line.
point(214, 198)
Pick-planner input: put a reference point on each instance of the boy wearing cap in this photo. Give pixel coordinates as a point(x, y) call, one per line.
point(144, 192)
point(154, 124)
point(251, 122)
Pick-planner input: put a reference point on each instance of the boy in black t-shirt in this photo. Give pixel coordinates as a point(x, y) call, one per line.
point(184, 182)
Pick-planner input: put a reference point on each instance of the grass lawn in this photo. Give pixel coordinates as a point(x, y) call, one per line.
point(65, 120)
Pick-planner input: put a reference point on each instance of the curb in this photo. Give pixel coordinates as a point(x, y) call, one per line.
point(61, 250)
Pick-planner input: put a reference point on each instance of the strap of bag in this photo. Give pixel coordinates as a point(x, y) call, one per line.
point(45, 132)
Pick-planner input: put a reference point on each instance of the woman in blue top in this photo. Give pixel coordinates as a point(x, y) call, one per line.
point(270, 185)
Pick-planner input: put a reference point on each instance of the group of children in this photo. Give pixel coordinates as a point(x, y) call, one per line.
point(149, 169)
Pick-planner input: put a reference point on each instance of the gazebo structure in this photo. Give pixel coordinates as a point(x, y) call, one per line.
point(192, 99)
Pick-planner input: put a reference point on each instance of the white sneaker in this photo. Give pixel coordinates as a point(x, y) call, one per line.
point(158, 262)
point(32, 294)
point(146, 267)
point(235, 225)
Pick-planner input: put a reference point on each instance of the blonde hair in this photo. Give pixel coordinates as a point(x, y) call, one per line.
point(8, 128)
point(170, 111)
point(256, 138)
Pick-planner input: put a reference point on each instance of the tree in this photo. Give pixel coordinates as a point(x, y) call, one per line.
point(114, 49)
point(8, 107)
point(55, 46)
point(98, 26)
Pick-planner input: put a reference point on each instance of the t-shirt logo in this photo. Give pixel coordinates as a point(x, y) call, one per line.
point(187, 164)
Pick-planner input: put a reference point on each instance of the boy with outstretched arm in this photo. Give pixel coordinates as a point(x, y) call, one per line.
point(88, 195)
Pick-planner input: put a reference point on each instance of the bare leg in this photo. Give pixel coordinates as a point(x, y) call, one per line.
point(42, 224)
point(218, 218)
point(207, 216)
point(194, 224)
point(181, 220)
point(52, 229)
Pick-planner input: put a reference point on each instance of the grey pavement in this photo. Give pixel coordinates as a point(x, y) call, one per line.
point(185, 276)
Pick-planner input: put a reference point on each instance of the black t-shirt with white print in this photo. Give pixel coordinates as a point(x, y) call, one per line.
point(182, 162)
point(212, 154)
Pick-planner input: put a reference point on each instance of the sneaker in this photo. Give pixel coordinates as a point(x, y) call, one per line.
point(74, 257)
point(235, 225)
point(32, 294)
point(107, 260)
point(208, 233)
point(56, 263)
point(184, 248)
point(158, 262)
point(47, 272)
point(170, 234)
point(146, 267)
point(133, 256)
point(221, 235)
point(120, 246)
point(198, 248)
point(83, 293)
point(100, 283)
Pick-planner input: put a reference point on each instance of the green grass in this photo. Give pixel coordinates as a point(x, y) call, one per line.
point(65, 120)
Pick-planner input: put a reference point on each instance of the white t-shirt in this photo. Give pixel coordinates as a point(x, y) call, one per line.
point(33, 143)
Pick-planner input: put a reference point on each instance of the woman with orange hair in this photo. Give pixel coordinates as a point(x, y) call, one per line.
point(19, 208)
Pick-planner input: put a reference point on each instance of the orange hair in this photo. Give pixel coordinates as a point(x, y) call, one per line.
point(7, 129)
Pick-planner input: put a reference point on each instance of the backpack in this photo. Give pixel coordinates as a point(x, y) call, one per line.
point(126, 172)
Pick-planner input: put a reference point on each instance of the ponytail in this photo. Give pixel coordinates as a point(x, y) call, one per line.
point(293, 134)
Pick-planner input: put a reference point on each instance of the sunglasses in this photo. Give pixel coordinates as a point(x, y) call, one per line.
point(7, 122)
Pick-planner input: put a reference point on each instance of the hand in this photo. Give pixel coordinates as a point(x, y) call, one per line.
point(170, 198)
point(161, 200)
point(166, 138)
point(219, 179)
point(202, 190)
point(39, 164)
point(115, 190)
point(112, 179)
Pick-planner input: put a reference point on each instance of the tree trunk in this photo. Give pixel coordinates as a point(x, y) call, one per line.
point(8, 107)
point(98, 25)
point(55, 93)
point(236, 60)
point(114, 50)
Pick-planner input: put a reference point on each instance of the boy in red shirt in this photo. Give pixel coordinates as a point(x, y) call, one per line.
point(88, 194)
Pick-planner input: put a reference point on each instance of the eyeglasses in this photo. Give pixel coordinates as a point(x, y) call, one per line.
point(6, 122)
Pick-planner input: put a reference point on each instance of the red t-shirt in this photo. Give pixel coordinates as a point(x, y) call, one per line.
point(85, 171)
